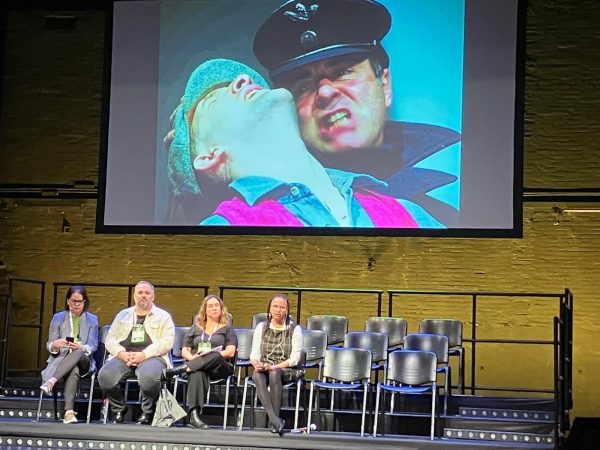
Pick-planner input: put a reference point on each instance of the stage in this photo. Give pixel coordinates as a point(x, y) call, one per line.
point(22, 433)
point(505, 423)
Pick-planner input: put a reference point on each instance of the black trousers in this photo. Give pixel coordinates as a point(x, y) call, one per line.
point(211, 366)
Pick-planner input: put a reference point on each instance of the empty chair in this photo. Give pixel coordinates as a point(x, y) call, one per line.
point(336, 327)
point(176, 357)
point(377, 343)
point(395, 327)
point(244, 348)
point(452, 329)
point(409, 372)
point(437, 344)
point(344, 369)
point(315, 344)
point(258, 318)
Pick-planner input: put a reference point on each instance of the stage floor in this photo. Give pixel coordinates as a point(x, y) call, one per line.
point(23, 433)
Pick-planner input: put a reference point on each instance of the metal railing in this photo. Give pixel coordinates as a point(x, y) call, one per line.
point(299, 291)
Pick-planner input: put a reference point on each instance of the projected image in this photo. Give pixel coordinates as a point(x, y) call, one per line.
point(323, 114)
point(327, 155)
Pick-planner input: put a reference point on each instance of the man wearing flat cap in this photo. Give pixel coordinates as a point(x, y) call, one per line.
point(328, 54)
point(235, 130)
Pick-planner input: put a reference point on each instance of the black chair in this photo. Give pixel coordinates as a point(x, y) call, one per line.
point(395, 327)
point(408, 372)
point(377, 343)
point(438, 344)
point(315, 344)
point(244, 348)
point(336, 327)
point(92, 378)
point(453, 330)
point(298, 384)
point(176, 356)
point(258, 318)
point(347, 369)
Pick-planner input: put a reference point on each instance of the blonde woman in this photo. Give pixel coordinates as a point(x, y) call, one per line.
point(208, 348)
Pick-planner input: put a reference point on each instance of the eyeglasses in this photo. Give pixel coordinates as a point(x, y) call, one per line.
point(77, 302)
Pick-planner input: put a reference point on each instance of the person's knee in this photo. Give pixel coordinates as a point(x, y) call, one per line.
point(275, 376)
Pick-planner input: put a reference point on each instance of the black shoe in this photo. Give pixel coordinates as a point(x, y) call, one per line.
point(144, 419)
point(167, 374)
point(278, 429)
point(119, 416)
point(194, 420)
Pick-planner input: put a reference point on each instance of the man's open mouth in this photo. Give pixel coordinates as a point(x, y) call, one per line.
point(335, 120)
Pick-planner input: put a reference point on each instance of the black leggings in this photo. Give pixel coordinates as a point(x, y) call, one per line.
point(270, 398)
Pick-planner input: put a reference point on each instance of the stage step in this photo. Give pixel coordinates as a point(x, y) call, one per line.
point(499, 436)
point(511, 414)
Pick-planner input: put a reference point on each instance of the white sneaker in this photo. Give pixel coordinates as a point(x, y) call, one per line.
point(70, 417)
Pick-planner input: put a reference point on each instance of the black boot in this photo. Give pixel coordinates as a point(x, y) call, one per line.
point(194, 420)
point(177, 370)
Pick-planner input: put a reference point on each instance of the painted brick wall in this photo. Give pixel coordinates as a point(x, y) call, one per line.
point(50, 134)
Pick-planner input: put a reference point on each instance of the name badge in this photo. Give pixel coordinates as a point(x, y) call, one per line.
point(138, 334)
point(204, 346)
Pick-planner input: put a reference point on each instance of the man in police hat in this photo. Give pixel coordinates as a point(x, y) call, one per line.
point(328, 53)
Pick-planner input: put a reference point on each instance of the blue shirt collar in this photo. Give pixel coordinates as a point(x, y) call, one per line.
point(254, 188)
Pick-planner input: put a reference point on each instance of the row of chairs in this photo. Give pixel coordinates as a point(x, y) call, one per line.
point(315, 343)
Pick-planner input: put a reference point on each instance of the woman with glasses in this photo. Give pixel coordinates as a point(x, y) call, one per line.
point(72, 340)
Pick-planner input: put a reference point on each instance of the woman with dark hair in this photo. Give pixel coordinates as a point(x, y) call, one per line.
point(209, 347)
point(72, 340)
point(276, 349)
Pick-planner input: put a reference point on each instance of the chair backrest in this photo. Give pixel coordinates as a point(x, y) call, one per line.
point(178, 342)
point(450, 328)
point(258, 318)
point(377, 343)
point(101, 354)
point(395, 327)
point(336, 327)
point(314, 343)
point(347, 364)
point(244, 338)
point(435, 343)
point(412, 367)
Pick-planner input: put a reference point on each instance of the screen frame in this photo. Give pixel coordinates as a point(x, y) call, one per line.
point(516, 231)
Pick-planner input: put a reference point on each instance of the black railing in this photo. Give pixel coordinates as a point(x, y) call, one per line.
point(130, 288)
point(299, 291)
point(9, 325)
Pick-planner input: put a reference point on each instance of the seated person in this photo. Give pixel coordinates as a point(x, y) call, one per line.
point(212, 329)
point(72, 339)
point(276, 350)
point(238, 132)
point(139, 342)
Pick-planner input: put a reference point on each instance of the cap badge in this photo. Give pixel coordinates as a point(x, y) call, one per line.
point(301, 13)
point(308, 40)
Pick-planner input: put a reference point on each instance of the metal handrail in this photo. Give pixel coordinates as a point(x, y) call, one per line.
point(298, 291)
point(8, 325)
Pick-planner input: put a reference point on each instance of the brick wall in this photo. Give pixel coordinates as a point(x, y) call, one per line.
point(50, 134)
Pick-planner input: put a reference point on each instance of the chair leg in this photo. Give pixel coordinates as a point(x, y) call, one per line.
point(297, 411)
point(55, 405)
point(243, 406)
point(39, 408)
point(364, 409)
point(377, 393)
point(310, 402)
point(91, 398)
point(106, 407)
point(433, 403)
point(226, 407)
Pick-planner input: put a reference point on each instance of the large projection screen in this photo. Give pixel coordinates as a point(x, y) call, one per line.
point(445, 151)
